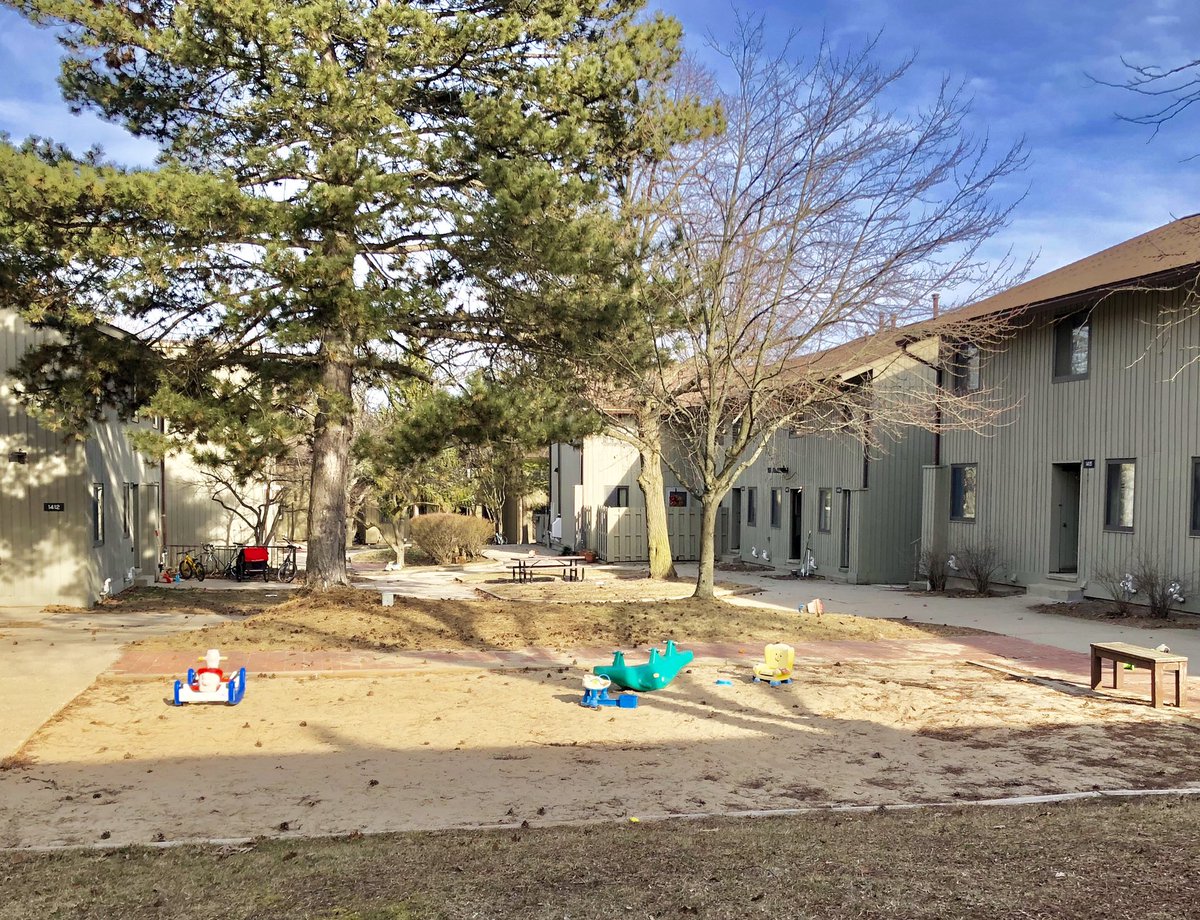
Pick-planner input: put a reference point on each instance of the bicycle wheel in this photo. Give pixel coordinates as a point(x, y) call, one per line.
point(186, 567)
point(287, 571)
point(200, 573)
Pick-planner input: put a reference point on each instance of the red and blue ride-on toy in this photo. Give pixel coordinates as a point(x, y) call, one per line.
point(251, 561)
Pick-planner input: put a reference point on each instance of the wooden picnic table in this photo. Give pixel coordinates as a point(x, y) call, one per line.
point(525, 567)
point(1158, 663)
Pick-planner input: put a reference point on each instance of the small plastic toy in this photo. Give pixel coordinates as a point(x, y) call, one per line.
point(655, 674)
point(776, 667)
point(595, 694)
point(210, 685)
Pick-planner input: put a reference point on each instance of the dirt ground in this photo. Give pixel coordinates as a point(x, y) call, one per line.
point(600, 585)
point(355, 620)
point(305, 756)
point(1106, 611)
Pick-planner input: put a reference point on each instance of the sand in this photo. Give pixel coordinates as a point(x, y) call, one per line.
point(437, 750)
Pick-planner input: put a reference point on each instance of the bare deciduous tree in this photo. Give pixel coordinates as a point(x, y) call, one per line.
point(818, 209)
point(1167, 91)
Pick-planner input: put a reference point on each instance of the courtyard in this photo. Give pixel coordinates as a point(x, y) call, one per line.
point(443, 714)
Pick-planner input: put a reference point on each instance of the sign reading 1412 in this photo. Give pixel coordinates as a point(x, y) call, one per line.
point(54, 506)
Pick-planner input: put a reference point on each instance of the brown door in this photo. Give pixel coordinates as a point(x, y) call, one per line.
point(1064, 537)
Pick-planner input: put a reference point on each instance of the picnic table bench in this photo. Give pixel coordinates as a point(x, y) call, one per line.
point(1156, 662)
point(523, 569)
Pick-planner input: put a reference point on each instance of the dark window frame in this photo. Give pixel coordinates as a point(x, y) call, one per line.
point(751, 506)
point(958, 497)
point(1109, 466)
point(966, 361)
point(677, 498)
point(1065, 328)
point(98, 514)
point(618, 497)
point(825, 510)
point(1194, 530)
point(776, 508)
point(126, 509)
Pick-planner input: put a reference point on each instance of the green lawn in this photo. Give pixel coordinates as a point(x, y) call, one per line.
point(1106, 860)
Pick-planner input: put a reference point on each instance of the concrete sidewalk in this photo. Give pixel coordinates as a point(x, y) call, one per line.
point(1009, 616)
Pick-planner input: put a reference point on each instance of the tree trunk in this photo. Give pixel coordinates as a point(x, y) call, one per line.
point(333, 430)
point(708, 548)
point(398, 536)
point(650, 480)
point(658, 538)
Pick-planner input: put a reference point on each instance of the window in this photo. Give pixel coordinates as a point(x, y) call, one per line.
point(1196, 496)
point(126, 500)
point(752, 507)
point(1118, 494)
point(677, 498)
point(825, 510)
point(1072, 347)
point(97, 512)
point(964, 368)
point(776, 508)
point(962, 492)
point(619, 497)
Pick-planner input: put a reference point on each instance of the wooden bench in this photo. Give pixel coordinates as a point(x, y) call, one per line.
point(1156, 662)
point(523, 570)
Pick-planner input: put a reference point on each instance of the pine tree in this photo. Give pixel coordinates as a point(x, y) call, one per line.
point(344, 186)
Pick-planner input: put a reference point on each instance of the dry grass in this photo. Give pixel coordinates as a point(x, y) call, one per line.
point(352, 619)
point(154, 600)
point(1115, 860)
point(18, 761)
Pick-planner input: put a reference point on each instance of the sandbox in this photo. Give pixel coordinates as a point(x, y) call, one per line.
point(430, 750)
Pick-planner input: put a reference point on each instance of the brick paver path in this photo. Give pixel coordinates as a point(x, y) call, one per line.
point(1000, 651)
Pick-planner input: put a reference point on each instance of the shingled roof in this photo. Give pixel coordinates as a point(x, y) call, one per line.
point(1160, 255)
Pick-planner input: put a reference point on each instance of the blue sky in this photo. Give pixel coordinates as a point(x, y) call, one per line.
point(1092, 181)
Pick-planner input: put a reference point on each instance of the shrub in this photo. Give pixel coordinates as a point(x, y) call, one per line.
point(979, 563)
point(1162, 592)
point(446, 537)
point(933, 566)
point(1118, 584)
point(477, 533)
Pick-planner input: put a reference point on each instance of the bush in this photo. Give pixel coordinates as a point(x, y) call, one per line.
point(447, 537)
point(1118, 585)
point(979, 564)
point(933, 566)
point(1162, 592)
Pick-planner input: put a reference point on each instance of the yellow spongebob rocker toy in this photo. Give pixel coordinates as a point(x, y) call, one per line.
point(777, 664)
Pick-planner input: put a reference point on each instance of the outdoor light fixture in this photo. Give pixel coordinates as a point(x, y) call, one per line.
point(18, 456)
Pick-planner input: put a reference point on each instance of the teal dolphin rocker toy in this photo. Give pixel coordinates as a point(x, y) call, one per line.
point(655, 674)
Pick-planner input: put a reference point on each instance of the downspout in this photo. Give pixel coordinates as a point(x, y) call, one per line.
point(162, 504)
point(937, 410)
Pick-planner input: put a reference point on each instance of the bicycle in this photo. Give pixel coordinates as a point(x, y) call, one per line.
point(287, 568)
point(189, 566)
point(212, 562)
